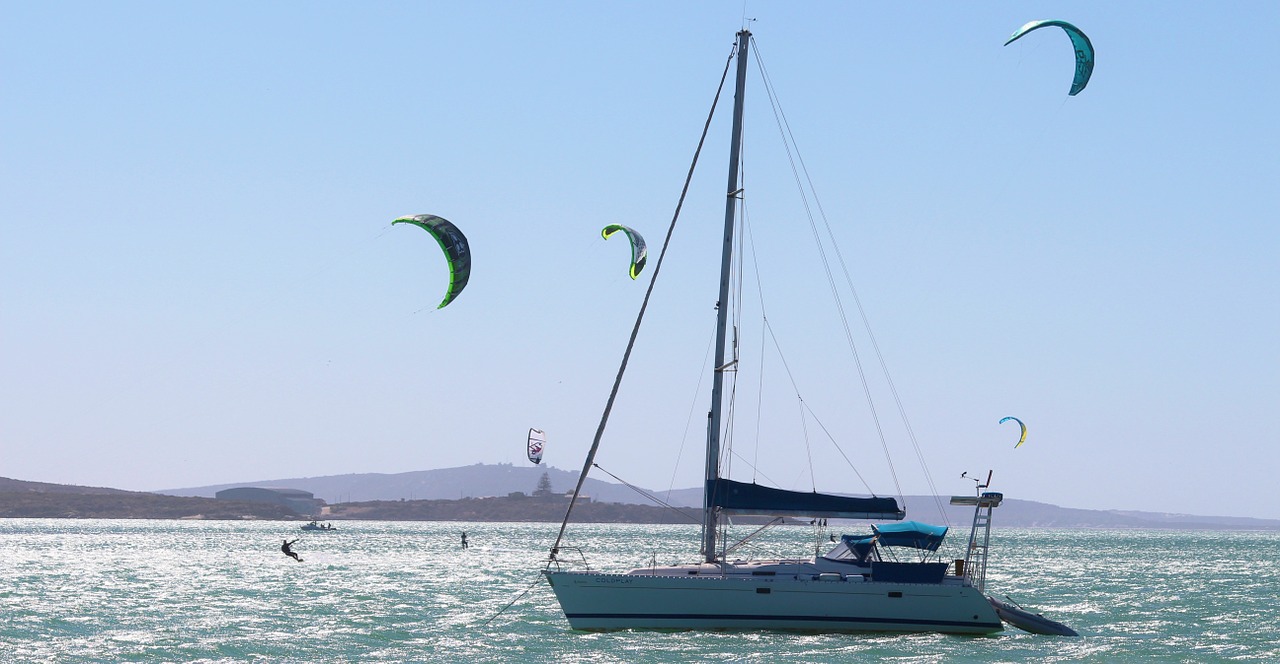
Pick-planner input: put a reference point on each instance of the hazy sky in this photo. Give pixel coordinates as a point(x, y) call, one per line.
point(199, 283)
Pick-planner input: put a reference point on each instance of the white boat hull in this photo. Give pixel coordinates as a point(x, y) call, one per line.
point(593, 601)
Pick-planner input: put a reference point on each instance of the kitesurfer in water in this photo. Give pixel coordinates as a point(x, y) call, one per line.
point(464, 540)
point(287, 549)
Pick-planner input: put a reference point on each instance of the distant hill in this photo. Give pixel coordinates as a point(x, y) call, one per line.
point(477, 481)
point(20, 499)
point(1016, 513)
point(488, 480)
point(20, 486)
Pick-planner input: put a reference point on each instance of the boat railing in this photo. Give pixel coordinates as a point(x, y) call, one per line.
point(724, 555)
point(555, 558)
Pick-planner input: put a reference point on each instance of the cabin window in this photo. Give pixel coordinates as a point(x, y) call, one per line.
point(895, 594)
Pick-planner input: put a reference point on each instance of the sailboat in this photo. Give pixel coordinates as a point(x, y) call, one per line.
point(856, 586)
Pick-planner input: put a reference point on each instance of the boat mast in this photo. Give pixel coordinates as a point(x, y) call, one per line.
point(722, 307)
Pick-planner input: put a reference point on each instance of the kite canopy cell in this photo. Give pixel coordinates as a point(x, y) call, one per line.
point(638, 251)
point(454, 244)
point(1083, 47)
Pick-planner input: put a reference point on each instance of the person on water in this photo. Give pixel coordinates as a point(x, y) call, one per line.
point(287, 549)
point(464, 540)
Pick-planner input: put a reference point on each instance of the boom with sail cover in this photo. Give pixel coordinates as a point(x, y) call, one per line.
point(742, 498)
point(537, 440)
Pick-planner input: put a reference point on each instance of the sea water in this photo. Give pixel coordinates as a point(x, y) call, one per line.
point(221, 591)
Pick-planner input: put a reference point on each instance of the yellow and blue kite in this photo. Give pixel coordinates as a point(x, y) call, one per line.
point(1023, 439)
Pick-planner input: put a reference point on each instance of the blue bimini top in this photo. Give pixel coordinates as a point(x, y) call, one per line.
point(910, 534)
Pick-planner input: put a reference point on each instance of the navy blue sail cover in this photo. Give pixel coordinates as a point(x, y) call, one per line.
point(742, 498)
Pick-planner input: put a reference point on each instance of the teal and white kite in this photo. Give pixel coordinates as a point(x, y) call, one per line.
point(1084, 50)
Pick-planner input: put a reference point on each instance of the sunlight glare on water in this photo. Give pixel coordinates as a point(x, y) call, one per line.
point(221, 591)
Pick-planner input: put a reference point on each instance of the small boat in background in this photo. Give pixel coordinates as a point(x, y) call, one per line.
point(315, 526)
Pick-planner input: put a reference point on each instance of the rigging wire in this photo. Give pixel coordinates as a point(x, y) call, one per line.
point(646, 494)
point(789, 142)
point(512, 602)
point(808, 449)
point(635, 330)
point(866, 323)
point(897, 399)
point(837, 446)
point(786, 367)
point(688, 422)
point(768, 479)
point(767, 333)
point(764, 323)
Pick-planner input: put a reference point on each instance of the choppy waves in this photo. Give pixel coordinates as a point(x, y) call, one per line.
point(80, 591)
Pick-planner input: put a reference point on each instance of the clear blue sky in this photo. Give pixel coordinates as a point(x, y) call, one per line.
point(198, 283)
